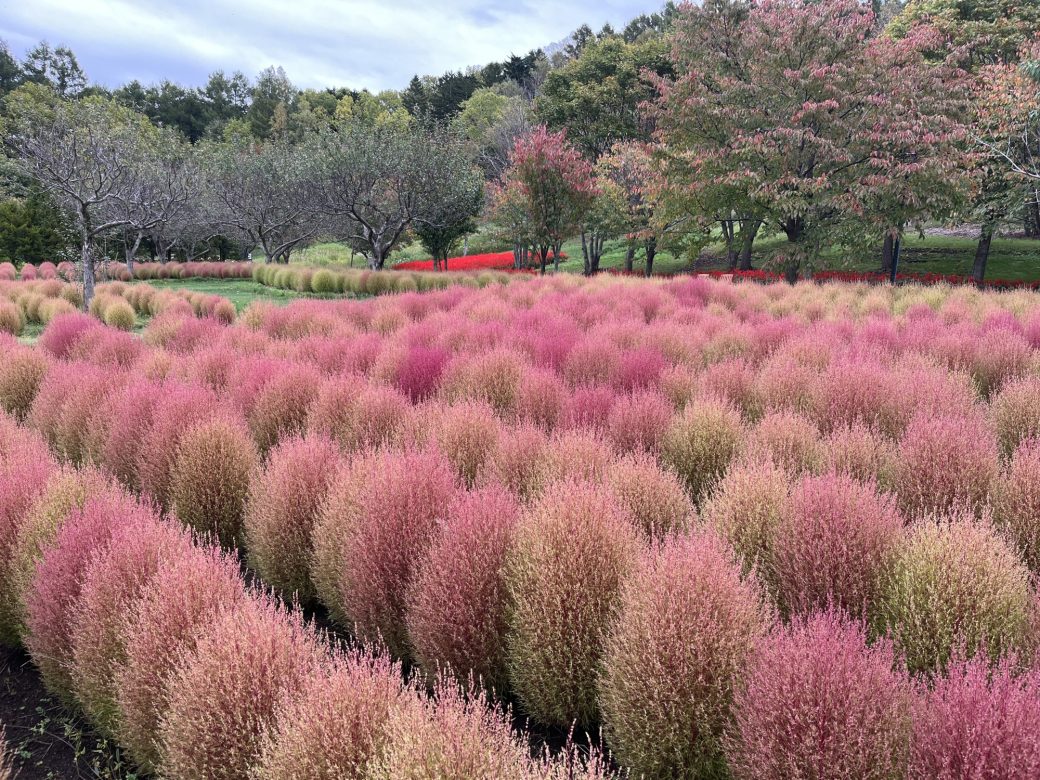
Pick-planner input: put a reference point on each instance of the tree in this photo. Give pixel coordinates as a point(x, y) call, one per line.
point(86, 154)
point(446, 220)
point(56, 67)
point(596, 96)
point(790, 109)
point(272, 89)
point(10, 73)
point(265, 192)
point(33, 229)
point(510, 218)
point(416, 98)
point(379, 180)
point(604, 220)
point(556, 188)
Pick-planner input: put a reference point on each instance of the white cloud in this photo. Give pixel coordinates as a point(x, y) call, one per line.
point(320, 43)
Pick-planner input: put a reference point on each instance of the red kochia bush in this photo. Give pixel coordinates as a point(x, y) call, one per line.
point(573, 549)
point(836, 540)
point(818, 702)
point(358, 415)
point(223, 697)
point(281, 406)
point(337, 724)
point(284, 499)
point(467, 432)
point(112, 583)
point(210, 477)
point(945, 461)
point(687, 624)
point(64, 331)
point(177, 604)
point(377, 522)
point(52, 595)
point(456, 612)
point(977, 721)
point(638, 421)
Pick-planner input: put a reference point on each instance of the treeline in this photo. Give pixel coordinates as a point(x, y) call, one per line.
point(832, 123)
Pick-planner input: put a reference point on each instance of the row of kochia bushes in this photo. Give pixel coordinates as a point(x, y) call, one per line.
point(693, 582)
point(152, 633)
point(116, 304)
point(359, 281)
point(69, 272)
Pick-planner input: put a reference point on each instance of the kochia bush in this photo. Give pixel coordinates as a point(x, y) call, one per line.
point(573, 549)
point(1016, 503)
point(817, 701)
point(456, 613)
point(701, 442)
point(687, 624)
point(654, 496)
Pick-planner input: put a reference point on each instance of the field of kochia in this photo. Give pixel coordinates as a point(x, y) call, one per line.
point(706, 528)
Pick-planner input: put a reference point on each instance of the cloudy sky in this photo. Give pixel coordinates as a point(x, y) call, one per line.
point(377, 44)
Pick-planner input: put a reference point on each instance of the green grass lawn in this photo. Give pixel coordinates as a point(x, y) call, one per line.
point(240, 292)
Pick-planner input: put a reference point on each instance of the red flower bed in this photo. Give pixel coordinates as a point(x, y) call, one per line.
point(498, 261)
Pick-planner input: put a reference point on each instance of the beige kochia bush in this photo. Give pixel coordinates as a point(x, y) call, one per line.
point(223, 697)
point(112, 582)
point(177, 604)
point(210, 477)
point(285, 497)
point(457, 602)
point(654, 495)
point(335, 726)
point(687, 624)
point(745, 509)
point(954, 581)
point(573, 548)
point(1016, 413)
point(701, 442)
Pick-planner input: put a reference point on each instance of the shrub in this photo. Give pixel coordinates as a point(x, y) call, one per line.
point(336, 726)
point(517, 462)
point(54, 590)
point(118, 443)
point(686, 626)
point(639, 421)
point(654, 496)
point(68, 397)
point(573, 549)
point(23, 474)
point(112, 584)
point(790, 440)
point(456, 614)
point(467, 433)
point(418, 371)
point(836, 540)
point(493, 377)
point(63, 332)
point(818, 702)
point(944, 462)
point(368, 541)
point(323, 281)
point(1016, 413)
point(11, 319)
point(282, 404)
point(456, 734)
point(701, 442)
point(359, 416)
point(223, 697)
point(745, 508)
point(953, 583)
point(857, 451)
point(210, 477)
point(590, 407)
point(284, 500)
point(977, 721)
point(177, 605)
point(1016, 507)
point(119, 314)
point(66, 489)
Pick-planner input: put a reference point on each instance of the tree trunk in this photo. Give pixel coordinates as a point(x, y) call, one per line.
point(887, 247)
point(1032, 222)
point(556, 258)
point(465, 247)
point(630, 256)
point(795, 229)
point(978, 271)
point(651, 253)
point(728, 233)
point(87, 261)
point(131, 250)
point(587, 269)
point(748, 232)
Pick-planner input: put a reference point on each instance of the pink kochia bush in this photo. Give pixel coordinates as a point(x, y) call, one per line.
point(573, 549)
point(686, 627)
point(112, 582)
point(977, 721)
point(51, 600)
point(836, 540)
point(285, 497)
point(175, 607)
point(946, 461)
point(1016, 504)
point(457, 603)
point(224, 696)
point(378, 520)
point(818, 702)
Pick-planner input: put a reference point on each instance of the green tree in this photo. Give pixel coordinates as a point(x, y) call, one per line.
point(33, 229)
point(272, 89)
